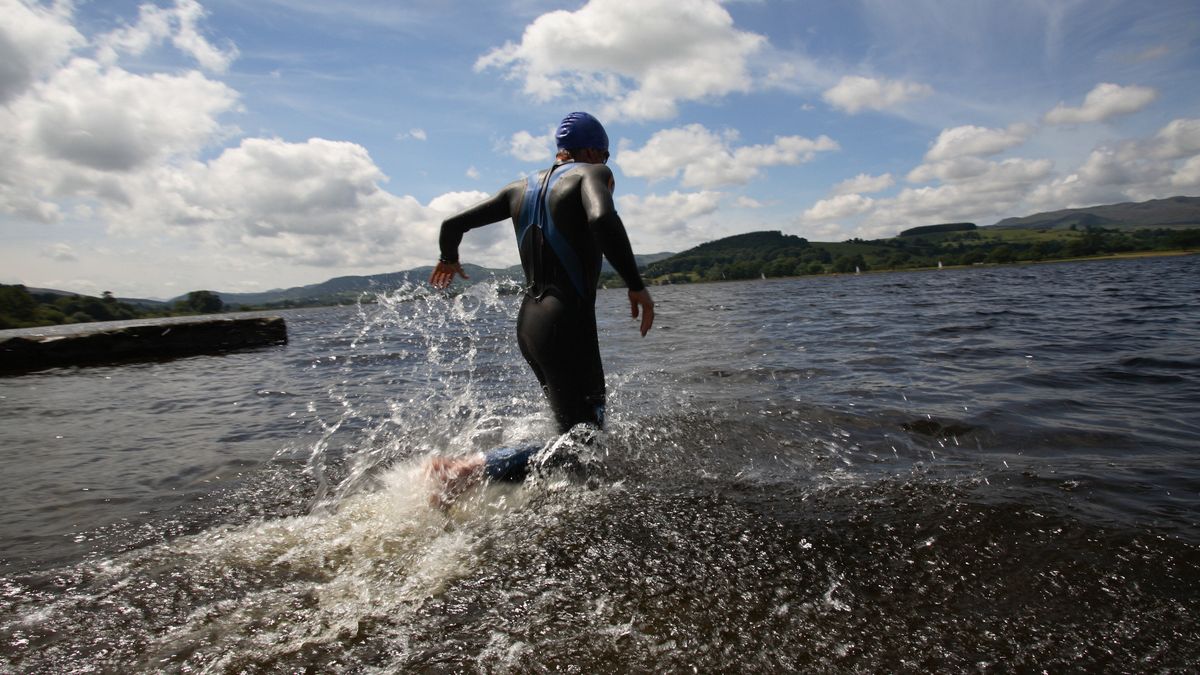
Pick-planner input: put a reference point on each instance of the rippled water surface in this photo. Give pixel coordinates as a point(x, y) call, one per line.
point(982, 469)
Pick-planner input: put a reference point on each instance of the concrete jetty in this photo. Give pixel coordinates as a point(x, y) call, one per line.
point(166, 340)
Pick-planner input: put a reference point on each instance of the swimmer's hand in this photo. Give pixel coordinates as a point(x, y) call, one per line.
point(642, 300)
point(444, 273)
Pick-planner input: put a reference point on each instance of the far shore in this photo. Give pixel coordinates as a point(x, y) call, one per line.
point(1111, 256)
point(75, 328)
point(1016, 263)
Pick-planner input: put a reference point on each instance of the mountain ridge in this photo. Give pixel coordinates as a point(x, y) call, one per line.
point(1177, 212)
point(1170, 212)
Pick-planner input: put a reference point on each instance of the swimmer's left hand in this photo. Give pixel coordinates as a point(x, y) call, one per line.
point(641, 300)
point(444, 273)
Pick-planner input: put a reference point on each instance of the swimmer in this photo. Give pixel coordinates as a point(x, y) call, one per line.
point(565, 220)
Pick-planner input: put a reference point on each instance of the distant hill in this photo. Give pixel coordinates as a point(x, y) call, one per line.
point(1155, 226)
point(933, 229)
point(48, 291)
point(137, 302)
point(349, 289)
point(751, 240)
point(1171, 213)
point(772, 253)
point(1142, 226)
point(339, 290)
point(336, 290)
point(640, 259)
point(738, 257)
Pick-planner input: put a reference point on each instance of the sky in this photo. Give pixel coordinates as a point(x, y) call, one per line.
point(150, 149)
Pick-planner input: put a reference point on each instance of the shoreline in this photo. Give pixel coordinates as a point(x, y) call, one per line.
point(1017, 263)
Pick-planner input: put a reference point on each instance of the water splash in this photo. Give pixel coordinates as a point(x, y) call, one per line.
point(445, 378)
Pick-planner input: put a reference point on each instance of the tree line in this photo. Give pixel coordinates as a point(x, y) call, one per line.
point(20, 308)
point(773, 254)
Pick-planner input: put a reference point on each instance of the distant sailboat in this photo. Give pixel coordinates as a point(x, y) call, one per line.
point(763, 274)
point(939, 264)
point(856, 270)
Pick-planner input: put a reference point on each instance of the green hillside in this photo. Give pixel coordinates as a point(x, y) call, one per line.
point(773, 254)
point(22, 307)
point(1171, 224)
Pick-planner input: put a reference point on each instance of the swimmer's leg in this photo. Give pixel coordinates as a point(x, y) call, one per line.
point(509, 464)
point(559, 343)
point(452, 476)
point(515, 464)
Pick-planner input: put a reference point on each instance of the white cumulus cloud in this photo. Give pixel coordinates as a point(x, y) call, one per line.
point(1103, 102)
point(1163, 165)
point(1108, 175)
point(111, 119)
point(855, 93)
point(642, 56)
point(319, 203)
point(1187, 177)
point(864, 183)
point(87, 139)
point(705, 159)
point(1180, 138)
point(840, 206)
point(60, 252)
point(662, 222)
point(973, 141)
point(529, 148)
point(89, 131)
point(953, 170)
point(34, 40)
point(155, 25)
point(997, 189)
point(988, 190)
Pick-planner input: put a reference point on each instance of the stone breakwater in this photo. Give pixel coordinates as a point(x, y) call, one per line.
point(139, 343)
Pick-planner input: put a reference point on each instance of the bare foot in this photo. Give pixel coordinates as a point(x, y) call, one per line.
point(452, 476)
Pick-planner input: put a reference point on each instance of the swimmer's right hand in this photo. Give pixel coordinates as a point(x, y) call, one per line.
point(641, 302)
point(443, 274)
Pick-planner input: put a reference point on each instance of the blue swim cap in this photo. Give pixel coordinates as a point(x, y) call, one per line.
point(581, 130)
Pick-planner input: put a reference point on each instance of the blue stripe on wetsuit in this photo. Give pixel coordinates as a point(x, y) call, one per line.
point(534, 211)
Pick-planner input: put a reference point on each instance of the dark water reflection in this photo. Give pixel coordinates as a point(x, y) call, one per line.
point(986, 469)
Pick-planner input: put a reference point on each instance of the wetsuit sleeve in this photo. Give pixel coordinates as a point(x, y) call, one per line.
point(607, 227)
point(614, 242)
point(491, 210)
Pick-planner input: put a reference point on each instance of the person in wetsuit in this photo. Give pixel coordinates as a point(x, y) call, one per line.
point(565, 220)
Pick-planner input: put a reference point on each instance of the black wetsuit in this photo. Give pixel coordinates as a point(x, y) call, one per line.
point(564, 219)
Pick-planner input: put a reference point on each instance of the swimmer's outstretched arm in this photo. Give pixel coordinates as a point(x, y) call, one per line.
point(499, 206)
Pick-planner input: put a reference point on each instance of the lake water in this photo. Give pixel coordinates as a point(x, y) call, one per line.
point(972, 469)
